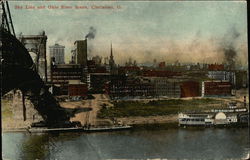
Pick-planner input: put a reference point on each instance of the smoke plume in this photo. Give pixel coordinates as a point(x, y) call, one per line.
point(229, 47)
point(91, 34)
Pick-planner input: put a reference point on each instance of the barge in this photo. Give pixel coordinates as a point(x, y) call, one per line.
point(77, 129)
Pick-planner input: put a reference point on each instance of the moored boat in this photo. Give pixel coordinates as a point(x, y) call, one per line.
point(78, 129)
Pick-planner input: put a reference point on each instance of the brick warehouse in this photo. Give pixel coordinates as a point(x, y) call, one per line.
point(216, 88)
point(76, 88)
point(164, 87)
point(129, 88)
point(190, 89)
point(62, 74)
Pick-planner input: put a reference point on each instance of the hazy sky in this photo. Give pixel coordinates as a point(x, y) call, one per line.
point(167, 31)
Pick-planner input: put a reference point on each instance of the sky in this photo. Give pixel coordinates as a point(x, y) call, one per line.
point(190, 31)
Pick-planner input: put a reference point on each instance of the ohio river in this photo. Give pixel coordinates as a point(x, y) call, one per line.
point(171, 144)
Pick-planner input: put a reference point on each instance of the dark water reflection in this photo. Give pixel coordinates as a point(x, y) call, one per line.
point(173, 144)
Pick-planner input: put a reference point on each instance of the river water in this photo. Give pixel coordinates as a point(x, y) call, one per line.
point(206, 143)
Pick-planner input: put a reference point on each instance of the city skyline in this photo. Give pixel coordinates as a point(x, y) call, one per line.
point(165, 31)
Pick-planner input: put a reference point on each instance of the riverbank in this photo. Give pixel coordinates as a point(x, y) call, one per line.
point(146, 108)
point(143, 113)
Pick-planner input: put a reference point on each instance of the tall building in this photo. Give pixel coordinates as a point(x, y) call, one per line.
point(57, 51)
point(79, 53)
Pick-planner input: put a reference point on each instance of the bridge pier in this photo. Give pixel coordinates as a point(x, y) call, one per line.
point(18, 112)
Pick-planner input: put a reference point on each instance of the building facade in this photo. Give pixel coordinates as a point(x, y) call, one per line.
point(76, 88)
point(129, 88)
point(79, 53)
point(223, 75)
point(62, 74)
point(163, 87)
point(57, 51)
point(216, 88)
point(241, 79)
point(190, 89)
point(96, 82)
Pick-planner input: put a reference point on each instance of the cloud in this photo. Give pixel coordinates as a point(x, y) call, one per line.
point(142, 30)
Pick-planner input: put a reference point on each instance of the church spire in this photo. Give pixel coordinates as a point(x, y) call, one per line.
point(111, 60)
point(111, 52)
